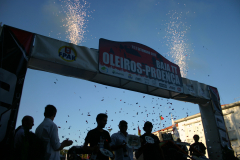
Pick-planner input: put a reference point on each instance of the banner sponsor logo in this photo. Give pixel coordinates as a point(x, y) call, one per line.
point(179, 89)
point(130, 76)
point(146, 81)
point(138, 79)
point(171, 87)
point(154, 82)
point(162, 85)
point(117, 73)
point(104, 69)
point(137, 60)
point(67, 53)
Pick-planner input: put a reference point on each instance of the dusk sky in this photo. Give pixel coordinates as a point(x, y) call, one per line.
point(201, 36)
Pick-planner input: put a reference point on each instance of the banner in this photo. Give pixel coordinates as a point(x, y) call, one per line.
point(64, 53)
point(139, 63)
point(195, 88)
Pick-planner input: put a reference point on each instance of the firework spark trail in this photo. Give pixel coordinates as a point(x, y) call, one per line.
point(176, 40)
point(76, 12)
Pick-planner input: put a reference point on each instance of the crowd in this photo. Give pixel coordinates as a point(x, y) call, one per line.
point(45, 143)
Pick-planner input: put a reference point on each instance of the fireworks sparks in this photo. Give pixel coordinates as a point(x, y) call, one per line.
point(177, 41)
point(76, 18)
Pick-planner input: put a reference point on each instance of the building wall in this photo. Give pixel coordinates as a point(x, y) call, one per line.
point(187, 129)
point(232, 122)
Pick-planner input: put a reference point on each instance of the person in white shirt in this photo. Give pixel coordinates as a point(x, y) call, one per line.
point(48, 132)
point(118, 144)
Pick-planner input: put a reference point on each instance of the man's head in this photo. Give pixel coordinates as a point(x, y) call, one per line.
point(148, 127)
point(101, 120)
point(123, 126)
point(50, 111)
point(196, 138)
point(28, 122)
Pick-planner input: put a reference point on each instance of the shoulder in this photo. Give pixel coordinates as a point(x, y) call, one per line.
point(106, 132)
point(114, 134)
point(142, 136)
point(20, 132)
point(192, 145)
point(154, 136)
point(201, 144)
point(93, 131)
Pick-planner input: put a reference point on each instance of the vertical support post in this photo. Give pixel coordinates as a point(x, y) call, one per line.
point(15, 46)
point(211, 132)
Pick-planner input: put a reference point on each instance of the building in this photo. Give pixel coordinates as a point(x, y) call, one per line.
point(164, 131)
point(189, 126)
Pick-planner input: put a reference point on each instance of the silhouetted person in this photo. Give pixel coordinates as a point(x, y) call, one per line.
point(98, 138)
point(22, 138)
point(150, 150)
point(184, 148)
point(119, 139)
point(197, 148)
point(48, 132)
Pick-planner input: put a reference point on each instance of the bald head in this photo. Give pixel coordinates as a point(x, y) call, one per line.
point(27, 122)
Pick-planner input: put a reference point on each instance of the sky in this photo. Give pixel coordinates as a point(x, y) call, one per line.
point(201, 36)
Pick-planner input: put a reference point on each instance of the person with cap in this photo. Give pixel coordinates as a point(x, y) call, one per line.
point(118, 144)
point(150, 150)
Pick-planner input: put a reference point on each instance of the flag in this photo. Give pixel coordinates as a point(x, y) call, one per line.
point(161, 118)
point(139, 131)
point(175, 131)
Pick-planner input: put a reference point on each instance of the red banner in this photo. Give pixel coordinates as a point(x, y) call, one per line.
point(137, 62)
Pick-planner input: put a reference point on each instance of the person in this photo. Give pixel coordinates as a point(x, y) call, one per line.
point(98, 138)
point(197, 148)
point(184, 148)
point(150, 151)
point(48, 132)
point(22, 138)
point(27, 123)
point(118, 144)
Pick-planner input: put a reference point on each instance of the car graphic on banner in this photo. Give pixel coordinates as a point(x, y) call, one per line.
point(139, 63)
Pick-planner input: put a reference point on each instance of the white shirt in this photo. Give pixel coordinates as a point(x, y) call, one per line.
point(19, 137)
point(48, 131)
point(118, 139)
